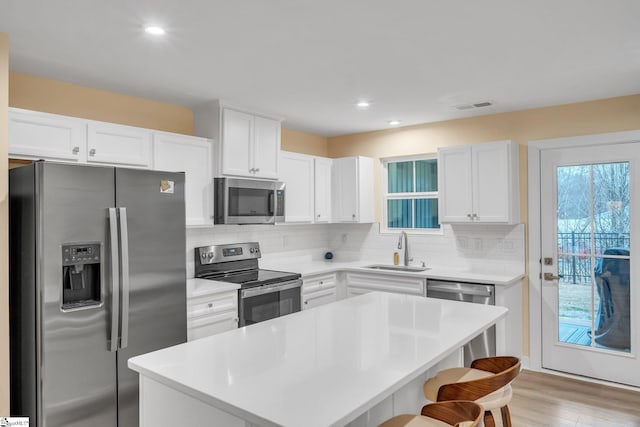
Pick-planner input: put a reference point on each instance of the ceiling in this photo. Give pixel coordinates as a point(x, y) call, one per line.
point(311, 61)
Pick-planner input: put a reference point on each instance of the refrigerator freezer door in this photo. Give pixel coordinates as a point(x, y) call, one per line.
point(155, 215)
point(78, 372)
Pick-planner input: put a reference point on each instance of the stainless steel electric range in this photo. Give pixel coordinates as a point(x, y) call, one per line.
point(263, 294)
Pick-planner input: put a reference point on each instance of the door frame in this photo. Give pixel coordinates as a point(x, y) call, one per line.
point(534, 227)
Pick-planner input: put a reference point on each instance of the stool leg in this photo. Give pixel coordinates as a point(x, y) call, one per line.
point(506, 416)
point(488, 419)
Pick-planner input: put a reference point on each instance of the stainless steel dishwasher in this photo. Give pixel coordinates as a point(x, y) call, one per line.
point(484, 345)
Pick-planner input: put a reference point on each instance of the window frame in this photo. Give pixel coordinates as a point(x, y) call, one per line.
point(384, 228)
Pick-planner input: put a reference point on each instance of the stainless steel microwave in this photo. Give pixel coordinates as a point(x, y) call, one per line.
point(248, 201)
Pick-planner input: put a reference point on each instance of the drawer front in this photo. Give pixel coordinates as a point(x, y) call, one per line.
point(321, 297)
point(387, 283)
point(205, 326)
point(212, 304)
point(318, 282)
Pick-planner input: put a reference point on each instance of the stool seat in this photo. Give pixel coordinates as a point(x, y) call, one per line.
point(494, 400)
point(487, 383)
point(407, 420)
point(441, 414)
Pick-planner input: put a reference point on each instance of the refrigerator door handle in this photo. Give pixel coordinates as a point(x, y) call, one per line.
point(115, 276)
point(124, 270)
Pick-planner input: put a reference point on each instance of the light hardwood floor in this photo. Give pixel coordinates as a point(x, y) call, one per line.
point(549, 400)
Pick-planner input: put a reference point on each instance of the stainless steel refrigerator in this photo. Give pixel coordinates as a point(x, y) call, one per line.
point(97, 275)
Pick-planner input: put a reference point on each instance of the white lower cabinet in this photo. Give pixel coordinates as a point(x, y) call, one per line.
point(318, 290)
point(211, 314)
point(361, 283)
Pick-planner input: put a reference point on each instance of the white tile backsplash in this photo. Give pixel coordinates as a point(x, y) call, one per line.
point(482, 248)
point(302, 240)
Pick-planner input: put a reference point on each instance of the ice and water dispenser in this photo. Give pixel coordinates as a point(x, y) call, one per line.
point(80, 275)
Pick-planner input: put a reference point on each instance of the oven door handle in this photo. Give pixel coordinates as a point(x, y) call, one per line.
point(267, 289)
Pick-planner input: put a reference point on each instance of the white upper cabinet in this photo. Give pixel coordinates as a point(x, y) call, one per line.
point(266, 147)
point(192, 155)
point(352, 185)
point(34, 135)
point(237, 137)
point(479, 183)
point(296, 171)
point(250, 145)
point(322, 187)
point(114, 144)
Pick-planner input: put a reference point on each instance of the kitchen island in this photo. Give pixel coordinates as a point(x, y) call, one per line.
point(357, 361)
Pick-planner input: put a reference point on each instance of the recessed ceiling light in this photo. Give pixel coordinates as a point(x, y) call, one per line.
point(156, 31)
point(394, 122)
point(363, 104)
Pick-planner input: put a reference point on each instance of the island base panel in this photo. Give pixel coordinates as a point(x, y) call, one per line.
point(160, 403)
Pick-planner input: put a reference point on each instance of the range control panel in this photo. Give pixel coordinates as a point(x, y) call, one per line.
point(223, 253)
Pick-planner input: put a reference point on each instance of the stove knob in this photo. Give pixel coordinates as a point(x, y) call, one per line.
point(210, 255)
point(251, 250)
point(204, 256)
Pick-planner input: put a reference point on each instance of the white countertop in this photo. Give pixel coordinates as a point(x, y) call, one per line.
point(201, 287)
point(319, 367)
point(312, 267)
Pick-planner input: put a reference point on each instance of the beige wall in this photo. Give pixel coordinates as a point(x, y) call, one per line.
point(68, 99)
point(305, 143)
point(608, 115)
point(4, 227)
point(54, 96)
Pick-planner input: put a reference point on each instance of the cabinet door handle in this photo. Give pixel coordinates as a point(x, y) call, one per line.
point(469, 216)
point(256, 170)
point(318, 215)
point(75, 150)
point(353, 216)
point(306, 302)
point(474, 216)
point(92, 152)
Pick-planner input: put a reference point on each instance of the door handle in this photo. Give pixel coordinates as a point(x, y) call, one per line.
point(550, 277)
point(115, 276)
point(124, 271)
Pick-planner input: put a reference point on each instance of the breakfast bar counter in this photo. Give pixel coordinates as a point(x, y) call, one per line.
point(357, 361)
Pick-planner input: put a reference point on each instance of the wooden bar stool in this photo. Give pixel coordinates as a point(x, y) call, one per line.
point(440, 414)
point(486, 382)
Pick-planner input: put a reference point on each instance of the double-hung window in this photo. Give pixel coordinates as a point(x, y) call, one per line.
point(410, 194)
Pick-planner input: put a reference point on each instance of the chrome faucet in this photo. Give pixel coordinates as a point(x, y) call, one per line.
point(406, 247)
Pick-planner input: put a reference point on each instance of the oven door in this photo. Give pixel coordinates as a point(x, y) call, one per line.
point(269, 301)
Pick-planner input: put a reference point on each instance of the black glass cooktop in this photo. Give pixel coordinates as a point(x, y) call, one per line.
point(251, 278)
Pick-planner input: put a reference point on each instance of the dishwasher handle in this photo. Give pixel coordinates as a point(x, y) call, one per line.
point(465, 291)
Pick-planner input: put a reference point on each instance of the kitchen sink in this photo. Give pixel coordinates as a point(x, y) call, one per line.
point(396, 267)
